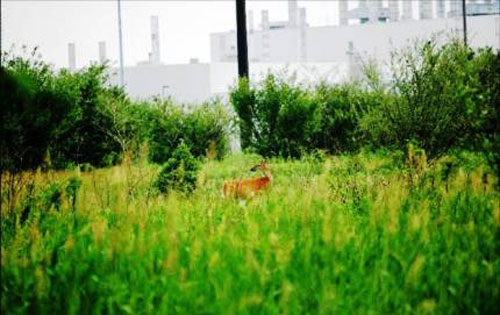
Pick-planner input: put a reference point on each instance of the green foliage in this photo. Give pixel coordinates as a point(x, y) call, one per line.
point(31, 110)
point(438, 98)
point(340, 111)
point(72, 187)
point(57, 113)
point(180, 171)
point(277, 118)
point(86, 137)
point(343, 234)
point(171, 124)
point(75, 118)
point(487, 111)
point(51, 196)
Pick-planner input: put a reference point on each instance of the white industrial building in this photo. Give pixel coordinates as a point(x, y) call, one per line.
point(332, 53)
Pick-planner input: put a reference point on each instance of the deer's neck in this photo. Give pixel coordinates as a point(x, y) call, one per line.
point(268, 175)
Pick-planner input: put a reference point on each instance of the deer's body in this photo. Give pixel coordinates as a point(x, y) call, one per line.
point(250, 187)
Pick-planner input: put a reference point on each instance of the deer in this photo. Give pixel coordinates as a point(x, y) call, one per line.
point(250, 187)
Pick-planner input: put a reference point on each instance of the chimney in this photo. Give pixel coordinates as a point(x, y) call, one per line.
point(455, 9)
point(425, 8)
point(102, 52)
point(265, 20)
point(71, 57)
point(407, 10)
point(303, 34)
point(250, 21)
point(394, 10)
point(441, 9)
point(343, 18)
point(155, 41)
point(292, 13)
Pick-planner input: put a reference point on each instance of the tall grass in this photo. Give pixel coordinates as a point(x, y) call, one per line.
point(365, 233)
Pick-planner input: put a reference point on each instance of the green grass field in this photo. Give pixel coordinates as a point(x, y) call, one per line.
point(359, 234)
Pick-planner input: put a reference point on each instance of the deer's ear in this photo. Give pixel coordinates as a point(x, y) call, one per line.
point(263, 161)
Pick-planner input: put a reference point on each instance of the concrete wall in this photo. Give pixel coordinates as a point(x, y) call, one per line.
point(195, 83)
point(185, 83)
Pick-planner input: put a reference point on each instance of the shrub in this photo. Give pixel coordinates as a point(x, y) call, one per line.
point(57, 113)
point(278, 118)
point(87, 134)
point(32, 110)
point(171, 125)
point(340, 110)
point(180, 171)
point(207, 124)
point(275, 117)
point(435, 89)
point(487, 112)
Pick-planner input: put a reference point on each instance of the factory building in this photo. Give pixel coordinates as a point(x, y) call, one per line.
point(368, 31)
point(370, 27)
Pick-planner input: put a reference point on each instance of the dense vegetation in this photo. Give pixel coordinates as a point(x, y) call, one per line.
point(364, 233)
point(438, 98)
point(385, 195)
point(62, 119)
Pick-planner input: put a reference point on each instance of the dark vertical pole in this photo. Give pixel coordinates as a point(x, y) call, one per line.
point(464, 13)
point(241, 31)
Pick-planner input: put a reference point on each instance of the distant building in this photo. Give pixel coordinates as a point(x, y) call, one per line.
point(332, 53)
point(278, 42)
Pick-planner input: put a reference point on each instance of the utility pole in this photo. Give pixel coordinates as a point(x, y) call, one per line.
point(120, 42)
point(241, 31)
point(464, 14)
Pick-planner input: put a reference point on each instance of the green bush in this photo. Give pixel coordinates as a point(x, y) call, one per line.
point(32, 111)
point(274, 117)
point(180, 171)
point(436, 92)
point(55, 114)
point(88, 135)
point(340, 110)
point(277, 118)
point(198, 128)
point(487, 112)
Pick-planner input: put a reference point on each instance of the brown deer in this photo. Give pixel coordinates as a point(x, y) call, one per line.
point(250, 187)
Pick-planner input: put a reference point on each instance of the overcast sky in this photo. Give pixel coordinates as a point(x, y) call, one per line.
point(184, 26)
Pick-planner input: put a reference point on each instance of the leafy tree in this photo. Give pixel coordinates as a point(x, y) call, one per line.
point(31, 111)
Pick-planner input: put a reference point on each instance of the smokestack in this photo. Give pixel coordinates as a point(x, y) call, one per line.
point(455, 9)
point(265, 36)
point(303, 34)
point(302, 17)
point(440, 9)
point(71, 57)
point(292, 12)
point(265, 19)
point(394, 10)
point(344, 19)
point(425, 9)
point(250, 25)
point(155, 41)
point(102, 52)
point(407, 10)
